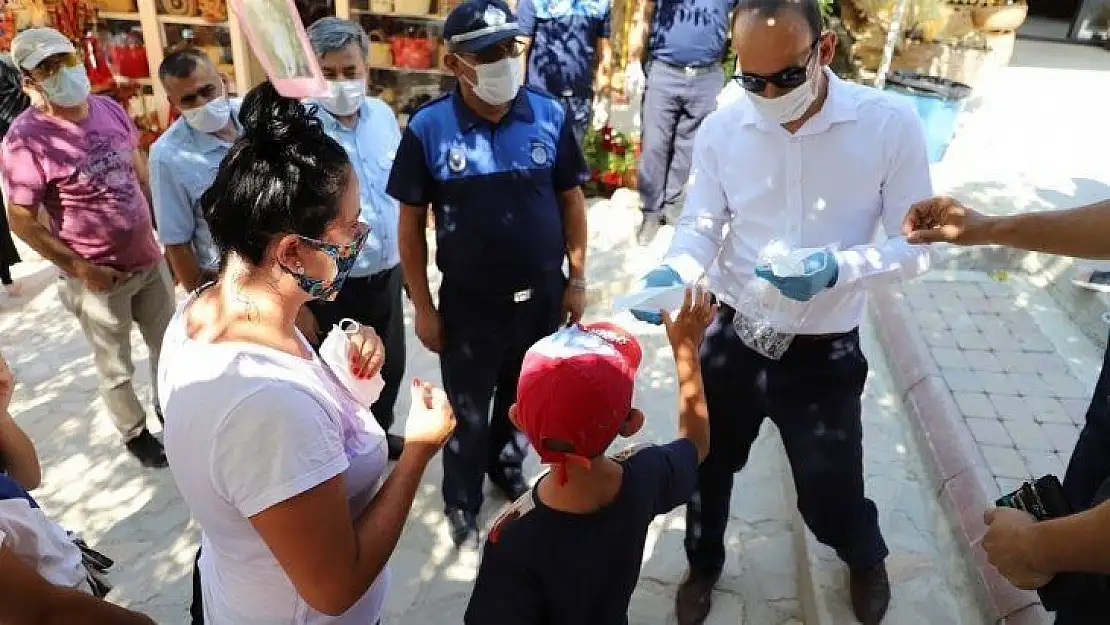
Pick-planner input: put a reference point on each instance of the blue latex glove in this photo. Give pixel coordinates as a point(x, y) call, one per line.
point(662, 276)
point(821, 272)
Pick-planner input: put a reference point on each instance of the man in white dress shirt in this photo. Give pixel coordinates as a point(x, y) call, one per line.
point(811, 161)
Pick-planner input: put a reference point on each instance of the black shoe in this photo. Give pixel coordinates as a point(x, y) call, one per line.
point(648, 229)
point(511, 484)
point(870, 590)
point(148, 450)
point(464, 527)
point(695, 598)
point(396, 445)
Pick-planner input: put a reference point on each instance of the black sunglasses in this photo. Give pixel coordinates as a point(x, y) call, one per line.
point(788, 78)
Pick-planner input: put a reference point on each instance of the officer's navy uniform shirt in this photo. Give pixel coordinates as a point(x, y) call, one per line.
point(690, 32)
point(564, 34)
point(494, 188)
point(555, 568)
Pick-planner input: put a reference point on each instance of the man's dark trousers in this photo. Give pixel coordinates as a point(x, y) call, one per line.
point(374, 301)
point(485, 336)
point(1087, 484)
point(676, 101)
point(813, 396)
point(579, 109)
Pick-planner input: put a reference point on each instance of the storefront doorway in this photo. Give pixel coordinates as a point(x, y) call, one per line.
point(1076, 21)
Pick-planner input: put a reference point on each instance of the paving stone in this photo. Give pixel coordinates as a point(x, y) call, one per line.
point(1065, 386)
point(958, 320)
point(976, 405)
point(1062, 437)
point(989, 432)
point(1012, 408)
point(1048, 410)
point(1035, 342)
point(930, 320)
point(950, 357)
point(997, 383)
point(983, 361)
point(1005, 462)
point(1027, 435)
point(962, 380)
point(939, 338)
point(970, 339)
point(1076, 409)
point(1041, 463)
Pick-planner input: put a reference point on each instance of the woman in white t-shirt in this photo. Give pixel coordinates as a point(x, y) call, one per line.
point(277, 462)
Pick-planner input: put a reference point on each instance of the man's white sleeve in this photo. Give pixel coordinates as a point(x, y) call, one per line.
point(700, 231)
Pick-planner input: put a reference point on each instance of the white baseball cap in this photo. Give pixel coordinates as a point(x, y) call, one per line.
point(35, 45)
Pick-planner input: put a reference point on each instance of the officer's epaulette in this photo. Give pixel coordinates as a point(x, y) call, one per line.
point(522, 506)
point(632, 450)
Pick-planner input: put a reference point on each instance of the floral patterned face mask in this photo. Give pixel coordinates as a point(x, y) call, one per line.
point(343, 256)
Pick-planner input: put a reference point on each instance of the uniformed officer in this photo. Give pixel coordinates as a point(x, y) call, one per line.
point(501, 170)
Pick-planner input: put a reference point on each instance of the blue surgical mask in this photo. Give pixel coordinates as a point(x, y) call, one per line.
point(344, 257)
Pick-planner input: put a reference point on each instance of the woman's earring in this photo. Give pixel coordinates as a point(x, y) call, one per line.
point(300, 268)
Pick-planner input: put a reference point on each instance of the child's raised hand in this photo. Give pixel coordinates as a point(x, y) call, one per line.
point(687, 328)
point(431, 420)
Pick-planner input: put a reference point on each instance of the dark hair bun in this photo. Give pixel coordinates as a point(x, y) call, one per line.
point(273, 120)
point(284, 175)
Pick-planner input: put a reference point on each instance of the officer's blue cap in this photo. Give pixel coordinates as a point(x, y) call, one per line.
point(478, 24)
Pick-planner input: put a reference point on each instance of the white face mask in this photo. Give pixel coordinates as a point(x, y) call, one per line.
point(498, 82)
point(67, 87)
point(346, 97)
point(210, 118)
point(789, 106)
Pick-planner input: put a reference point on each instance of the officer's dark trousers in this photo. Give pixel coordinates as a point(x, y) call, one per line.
point(813, 397)
point(485, 336)
point(675, 103)
point(374, 301)
point(1087, 484)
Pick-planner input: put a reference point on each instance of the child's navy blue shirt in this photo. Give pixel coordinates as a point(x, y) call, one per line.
point(553, 568)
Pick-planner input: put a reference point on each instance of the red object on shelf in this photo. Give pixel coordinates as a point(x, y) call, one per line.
point(96, 65)
point(413, 52)
point(129, 56)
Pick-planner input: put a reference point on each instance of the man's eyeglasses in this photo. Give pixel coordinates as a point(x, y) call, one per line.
point(788, 78)
point(506, 49)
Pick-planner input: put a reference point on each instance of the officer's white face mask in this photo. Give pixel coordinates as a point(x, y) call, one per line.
point(498, 82)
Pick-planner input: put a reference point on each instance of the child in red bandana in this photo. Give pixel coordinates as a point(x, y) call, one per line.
point(569, 551)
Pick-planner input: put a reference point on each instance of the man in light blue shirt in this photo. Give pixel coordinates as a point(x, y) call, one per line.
point(184, 160)
point(367, 129)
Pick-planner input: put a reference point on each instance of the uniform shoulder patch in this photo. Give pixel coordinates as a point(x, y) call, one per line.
point(429, 104)
point(632, 450)
point(512, 512)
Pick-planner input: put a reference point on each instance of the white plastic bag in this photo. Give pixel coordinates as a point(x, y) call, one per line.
point(335, 351)
point(766, 320)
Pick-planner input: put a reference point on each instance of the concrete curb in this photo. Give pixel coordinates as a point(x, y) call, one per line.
point(958, 471)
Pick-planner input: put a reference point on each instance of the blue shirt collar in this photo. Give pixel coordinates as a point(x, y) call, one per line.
point(331, 123)
point(521, 109)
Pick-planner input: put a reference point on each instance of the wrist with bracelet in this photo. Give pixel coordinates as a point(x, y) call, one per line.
point(578, 284)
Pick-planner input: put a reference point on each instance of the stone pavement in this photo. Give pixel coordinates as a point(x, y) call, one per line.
point(998, 380)
point(775, 573)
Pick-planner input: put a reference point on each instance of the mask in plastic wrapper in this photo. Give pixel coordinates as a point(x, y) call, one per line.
point(335, 351)
point(766, 320)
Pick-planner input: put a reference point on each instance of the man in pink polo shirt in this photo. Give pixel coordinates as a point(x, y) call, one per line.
point(77, 158)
